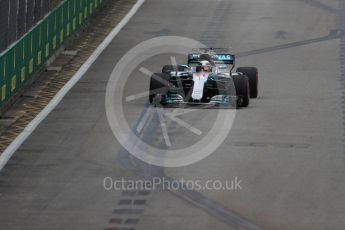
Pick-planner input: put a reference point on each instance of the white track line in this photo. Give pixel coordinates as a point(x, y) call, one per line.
point(10, 150)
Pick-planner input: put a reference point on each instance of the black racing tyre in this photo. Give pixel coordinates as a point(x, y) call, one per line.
point(158, 85)
point(169, 68)
point(241, 83)
point(252, 74)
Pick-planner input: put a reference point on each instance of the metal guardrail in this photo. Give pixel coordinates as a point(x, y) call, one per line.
point(22, 59)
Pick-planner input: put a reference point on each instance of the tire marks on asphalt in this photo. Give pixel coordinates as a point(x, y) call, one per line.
point(194, 198)
point(214, 29)
point(321, 6)
point(126, 214)
point(333, 34)
point(341, 25)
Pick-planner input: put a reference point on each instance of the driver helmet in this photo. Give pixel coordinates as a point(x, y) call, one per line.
point(206, 66)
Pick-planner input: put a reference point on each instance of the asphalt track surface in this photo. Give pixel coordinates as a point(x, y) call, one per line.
point(287, 147)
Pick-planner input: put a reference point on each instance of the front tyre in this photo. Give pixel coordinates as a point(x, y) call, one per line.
point(252, 74)
point(242, 90)
point(158, 86)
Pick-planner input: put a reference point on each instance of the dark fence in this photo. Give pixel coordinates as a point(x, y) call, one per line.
point(23, 58)
point(18, 16)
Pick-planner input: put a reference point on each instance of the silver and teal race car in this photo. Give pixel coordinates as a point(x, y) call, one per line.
point(208, 79)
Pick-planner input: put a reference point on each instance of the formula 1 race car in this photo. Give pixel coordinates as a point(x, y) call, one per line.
point(207, 79)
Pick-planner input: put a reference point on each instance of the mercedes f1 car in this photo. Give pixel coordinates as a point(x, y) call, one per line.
point(207, 79)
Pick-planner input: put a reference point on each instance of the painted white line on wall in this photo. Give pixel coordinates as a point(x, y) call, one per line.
point(10, 150)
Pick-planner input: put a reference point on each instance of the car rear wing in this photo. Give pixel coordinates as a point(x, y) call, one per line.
point(221, 58)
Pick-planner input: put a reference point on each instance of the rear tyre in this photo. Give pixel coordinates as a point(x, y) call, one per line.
point(252, 74)
point(158, 85)
point(242, 90)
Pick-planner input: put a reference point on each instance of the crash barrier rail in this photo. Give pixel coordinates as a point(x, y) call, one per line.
point(26, 56)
